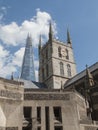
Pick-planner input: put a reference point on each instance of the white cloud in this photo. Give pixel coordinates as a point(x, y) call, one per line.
point(14, 35)
point(3, 56)
point(9, 63)
point(3, 52)
point(7, 70)
point(18, 57)
point(5, 65)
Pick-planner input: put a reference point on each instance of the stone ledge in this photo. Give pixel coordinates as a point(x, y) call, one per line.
point(32, 96)
point(10, 94)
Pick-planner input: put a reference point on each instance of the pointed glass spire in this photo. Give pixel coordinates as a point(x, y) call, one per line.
point(28, 72)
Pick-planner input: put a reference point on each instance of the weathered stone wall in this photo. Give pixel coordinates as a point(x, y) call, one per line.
point(57, 59)
point(71, 104)
point(11, 104)
point(89, 127)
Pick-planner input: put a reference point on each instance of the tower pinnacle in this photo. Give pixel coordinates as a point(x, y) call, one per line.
point(27, 72)
point(89, 77)
point(68, 37)
point(40, 42)
point(50, 32)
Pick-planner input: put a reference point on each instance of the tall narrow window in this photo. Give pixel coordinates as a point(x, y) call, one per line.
point(39, 114)
point(27, 112)
point(47, 70)
point(59, 52)
point(61, 69)
point(67, 54)
point(42, 57)
point(46, 54)
point(43, 74)
point(57, 114)
point(27, 115)
point(39, 128)
point(58, 128)
point(47, 118)
point(69, 70)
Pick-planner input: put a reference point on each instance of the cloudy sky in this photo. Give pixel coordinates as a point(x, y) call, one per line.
point(18, 17)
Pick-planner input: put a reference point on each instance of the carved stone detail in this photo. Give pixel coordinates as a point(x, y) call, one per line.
point(9, 94)
point(29, 96)
point(90, 128)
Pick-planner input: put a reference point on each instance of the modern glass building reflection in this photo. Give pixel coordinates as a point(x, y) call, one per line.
point(28, 72)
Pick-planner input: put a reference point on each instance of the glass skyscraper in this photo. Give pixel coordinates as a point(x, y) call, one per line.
point(27, 71)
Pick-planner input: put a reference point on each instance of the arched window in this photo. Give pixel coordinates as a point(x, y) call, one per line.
point(46, 53)
point(43, 74)
point(69, 70)
point(59, 52)
point(61, 69)
point(67, 54)
point(47, 70)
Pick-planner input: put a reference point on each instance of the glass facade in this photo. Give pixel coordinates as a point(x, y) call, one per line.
point(28, 72)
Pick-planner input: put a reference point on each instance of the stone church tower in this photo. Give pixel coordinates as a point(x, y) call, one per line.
point(56, 61)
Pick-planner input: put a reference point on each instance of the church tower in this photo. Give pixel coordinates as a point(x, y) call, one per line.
point(28, 72)
point(56, 61)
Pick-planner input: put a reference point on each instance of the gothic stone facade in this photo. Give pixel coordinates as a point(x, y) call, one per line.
point(55, 110)
point(41, 109)
point(56, 63)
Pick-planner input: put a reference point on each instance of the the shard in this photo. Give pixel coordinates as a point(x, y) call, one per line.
point(27, 71)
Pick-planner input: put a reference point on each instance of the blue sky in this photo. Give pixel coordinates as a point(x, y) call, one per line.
point(18, 17)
